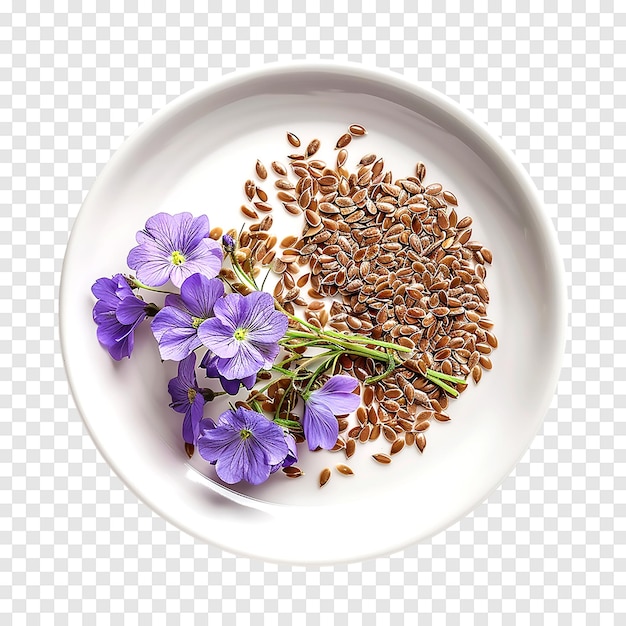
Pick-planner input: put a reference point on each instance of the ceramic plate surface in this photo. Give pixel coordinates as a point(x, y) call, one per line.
point(194, 156)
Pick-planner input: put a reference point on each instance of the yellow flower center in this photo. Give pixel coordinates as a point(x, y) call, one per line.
point(240, 334)
point(245, 433)
point(191, 394)
point(196, 321)
point(178, 258)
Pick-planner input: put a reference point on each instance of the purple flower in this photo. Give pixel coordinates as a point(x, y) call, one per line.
point(117, 313)
point(173, 247)
point(244, 334)
point(176, 325)
point(321, 406)
point(209, 362)
point(244, 445)
point(292, 455)
point(187, 398)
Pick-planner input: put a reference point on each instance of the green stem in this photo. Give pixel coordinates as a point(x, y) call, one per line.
point(332, 336)
point(290, 359)
point(305, 344)
point(367, 340)
point(451, 390)
point(265, 278)
point(295, 318)
point(391, 365)
point(137, 284)
point(363, 351)
point(241, 274)
point(343, 343)
point(279, 369)
point(442, 376)
point(282, 399)
point(295, 357)
point(306, 362)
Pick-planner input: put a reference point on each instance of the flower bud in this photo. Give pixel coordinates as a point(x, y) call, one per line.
point(228, 242)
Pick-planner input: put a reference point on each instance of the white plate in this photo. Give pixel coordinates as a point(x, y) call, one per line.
point(194, 156)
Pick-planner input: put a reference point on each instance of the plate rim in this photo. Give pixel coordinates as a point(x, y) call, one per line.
point(389, 78)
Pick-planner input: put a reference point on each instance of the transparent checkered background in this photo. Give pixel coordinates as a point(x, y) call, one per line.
point(77, 546)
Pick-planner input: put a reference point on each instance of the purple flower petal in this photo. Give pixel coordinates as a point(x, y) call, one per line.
point(244, 446)
point(245, 461)
point(179, 392)
point(320, 426)
point(270, 437)
point(209, 265)
point(261, 327)
point(179, 387)
point(292, 455)
point(339, 384)
point(122, 348)
point(187, 399)
point(151, 269)
point(178, 343)
point(200, 294)
point(187, 370)
point(175, 327)
point(248, 381)
point(245, 362)
point(174, 247)
point(162, 227)
point(193, 417)
point(270, 329)
point(131, 310)
point(209, 362)
point(261, 319)
point(169, 318)
point(108, 324)
point(205, 425)
point(109, 330)
point(235, 458)
point(104, 289)
point(217, 336)
point(229, 310)
point(216, 442)
point(114, 294)
point(176, 232)
point(118, 339)
point(205, 257)
point(123, 288)
point(322, 406)
point(337, 395)
point(267, 351)
point(230, 386)
point(188, 429)
point(174, 299)
point(194, 231)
